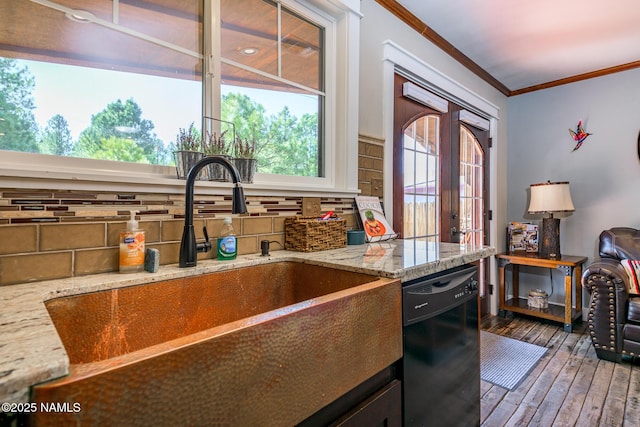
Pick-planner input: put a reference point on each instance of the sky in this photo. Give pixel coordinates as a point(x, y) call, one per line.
point(77, 93)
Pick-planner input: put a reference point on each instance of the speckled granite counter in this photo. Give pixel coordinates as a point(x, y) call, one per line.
point(31, 351)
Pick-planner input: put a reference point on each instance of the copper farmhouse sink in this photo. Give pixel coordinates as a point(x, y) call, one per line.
point(261, 345)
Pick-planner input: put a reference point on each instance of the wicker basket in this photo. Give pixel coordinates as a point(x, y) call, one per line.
point(309, 234)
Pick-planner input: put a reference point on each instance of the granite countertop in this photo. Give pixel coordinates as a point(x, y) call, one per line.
point(31, 351)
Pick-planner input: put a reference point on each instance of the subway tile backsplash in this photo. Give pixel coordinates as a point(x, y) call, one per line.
point(50, 234)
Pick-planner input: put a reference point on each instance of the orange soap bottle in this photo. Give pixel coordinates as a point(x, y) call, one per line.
point(132, 247)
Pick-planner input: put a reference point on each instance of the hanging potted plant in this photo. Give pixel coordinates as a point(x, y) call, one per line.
point(188, 150)
point(245, 158)
point(217, 145)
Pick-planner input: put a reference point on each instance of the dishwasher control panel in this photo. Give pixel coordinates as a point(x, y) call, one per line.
point(431, 295)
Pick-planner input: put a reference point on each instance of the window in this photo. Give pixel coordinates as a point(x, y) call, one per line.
point(96, 83)
point(118, 79)
point(272, 83)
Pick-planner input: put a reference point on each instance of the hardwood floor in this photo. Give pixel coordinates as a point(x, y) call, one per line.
point(570, 386)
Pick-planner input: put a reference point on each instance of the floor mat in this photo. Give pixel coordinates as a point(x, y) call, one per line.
point(504, 361)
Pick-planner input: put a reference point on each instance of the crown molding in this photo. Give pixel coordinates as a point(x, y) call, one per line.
point(414, 22)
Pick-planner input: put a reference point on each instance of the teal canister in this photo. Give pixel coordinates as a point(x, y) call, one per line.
point(355, 237)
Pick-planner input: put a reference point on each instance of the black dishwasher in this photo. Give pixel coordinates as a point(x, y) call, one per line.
point(441, 361)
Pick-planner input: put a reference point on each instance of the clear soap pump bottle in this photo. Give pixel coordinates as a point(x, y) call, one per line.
point(227, 242)
point(132, 247)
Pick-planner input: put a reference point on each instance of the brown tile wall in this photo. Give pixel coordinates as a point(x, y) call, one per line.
point(81, 235)
point(49, 234)
point(370, 166)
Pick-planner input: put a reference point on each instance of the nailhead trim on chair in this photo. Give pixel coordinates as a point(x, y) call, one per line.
point(594, 297)
point(612, 319)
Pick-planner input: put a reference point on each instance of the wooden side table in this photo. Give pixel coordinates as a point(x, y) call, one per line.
point(570, 265)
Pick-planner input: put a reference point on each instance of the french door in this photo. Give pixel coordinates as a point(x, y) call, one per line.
point(440, 170)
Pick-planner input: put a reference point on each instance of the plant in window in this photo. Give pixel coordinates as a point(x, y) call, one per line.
point(188, 139)
point(245, 151)
point(217, 145)
point(188, 150)
point(245, 148)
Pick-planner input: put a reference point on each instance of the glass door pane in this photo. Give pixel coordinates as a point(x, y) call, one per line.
point(421, 141)
point(471, 189)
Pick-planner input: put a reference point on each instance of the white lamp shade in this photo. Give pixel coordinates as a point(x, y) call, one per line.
point(550, 197)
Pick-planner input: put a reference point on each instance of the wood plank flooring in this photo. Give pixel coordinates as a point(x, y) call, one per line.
point(570, 386)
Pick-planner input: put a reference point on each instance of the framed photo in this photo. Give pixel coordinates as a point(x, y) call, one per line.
point(522, 236)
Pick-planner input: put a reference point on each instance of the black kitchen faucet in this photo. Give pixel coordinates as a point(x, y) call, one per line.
point(188, 247)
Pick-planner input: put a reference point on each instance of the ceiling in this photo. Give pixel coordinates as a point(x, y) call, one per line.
point(528, 45)
point(516, 46)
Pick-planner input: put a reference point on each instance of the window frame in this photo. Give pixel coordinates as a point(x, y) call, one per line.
point(28, 170)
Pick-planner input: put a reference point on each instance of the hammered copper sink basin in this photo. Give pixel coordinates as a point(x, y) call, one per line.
point(262, 345)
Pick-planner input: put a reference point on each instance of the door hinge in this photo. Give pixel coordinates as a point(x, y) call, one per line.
point(490, 142)
point(490, 214)
point(490, 289)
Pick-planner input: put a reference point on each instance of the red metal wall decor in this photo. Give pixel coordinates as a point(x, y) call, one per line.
point(579, 135)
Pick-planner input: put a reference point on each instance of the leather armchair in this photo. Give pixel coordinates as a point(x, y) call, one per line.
point(614, 314)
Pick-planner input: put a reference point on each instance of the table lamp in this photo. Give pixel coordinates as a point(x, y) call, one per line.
point(549, 197)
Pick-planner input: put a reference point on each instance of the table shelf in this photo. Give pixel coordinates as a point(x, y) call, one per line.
point(570, 265)
point(554, 312)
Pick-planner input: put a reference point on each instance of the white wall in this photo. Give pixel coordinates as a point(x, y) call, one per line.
point(604, 173)
point(379, 26)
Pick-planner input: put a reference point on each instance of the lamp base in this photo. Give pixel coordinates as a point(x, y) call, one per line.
point(549, 243)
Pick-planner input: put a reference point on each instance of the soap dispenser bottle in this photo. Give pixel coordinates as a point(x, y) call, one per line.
point(132, 247)
point(227, 242)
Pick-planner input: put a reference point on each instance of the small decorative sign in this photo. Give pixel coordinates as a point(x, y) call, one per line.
point(376, 227)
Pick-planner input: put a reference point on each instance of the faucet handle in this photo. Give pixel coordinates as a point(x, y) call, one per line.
point(206, 245)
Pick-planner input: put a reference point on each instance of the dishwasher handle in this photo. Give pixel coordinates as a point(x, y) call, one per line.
point(441, 283)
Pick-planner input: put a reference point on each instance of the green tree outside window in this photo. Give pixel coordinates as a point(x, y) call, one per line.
point(18, 128)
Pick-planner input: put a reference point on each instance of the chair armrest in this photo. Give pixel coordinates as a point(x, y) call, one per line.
point(604, 273)
point(606, 280)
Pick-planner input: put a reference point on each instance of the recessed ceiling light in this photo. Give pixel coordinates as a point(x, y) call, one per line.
point(80, 16)
point(249, 51)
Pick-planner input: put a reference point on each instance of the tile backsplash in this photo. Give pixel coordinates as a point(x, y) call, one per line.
point(50, 234)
